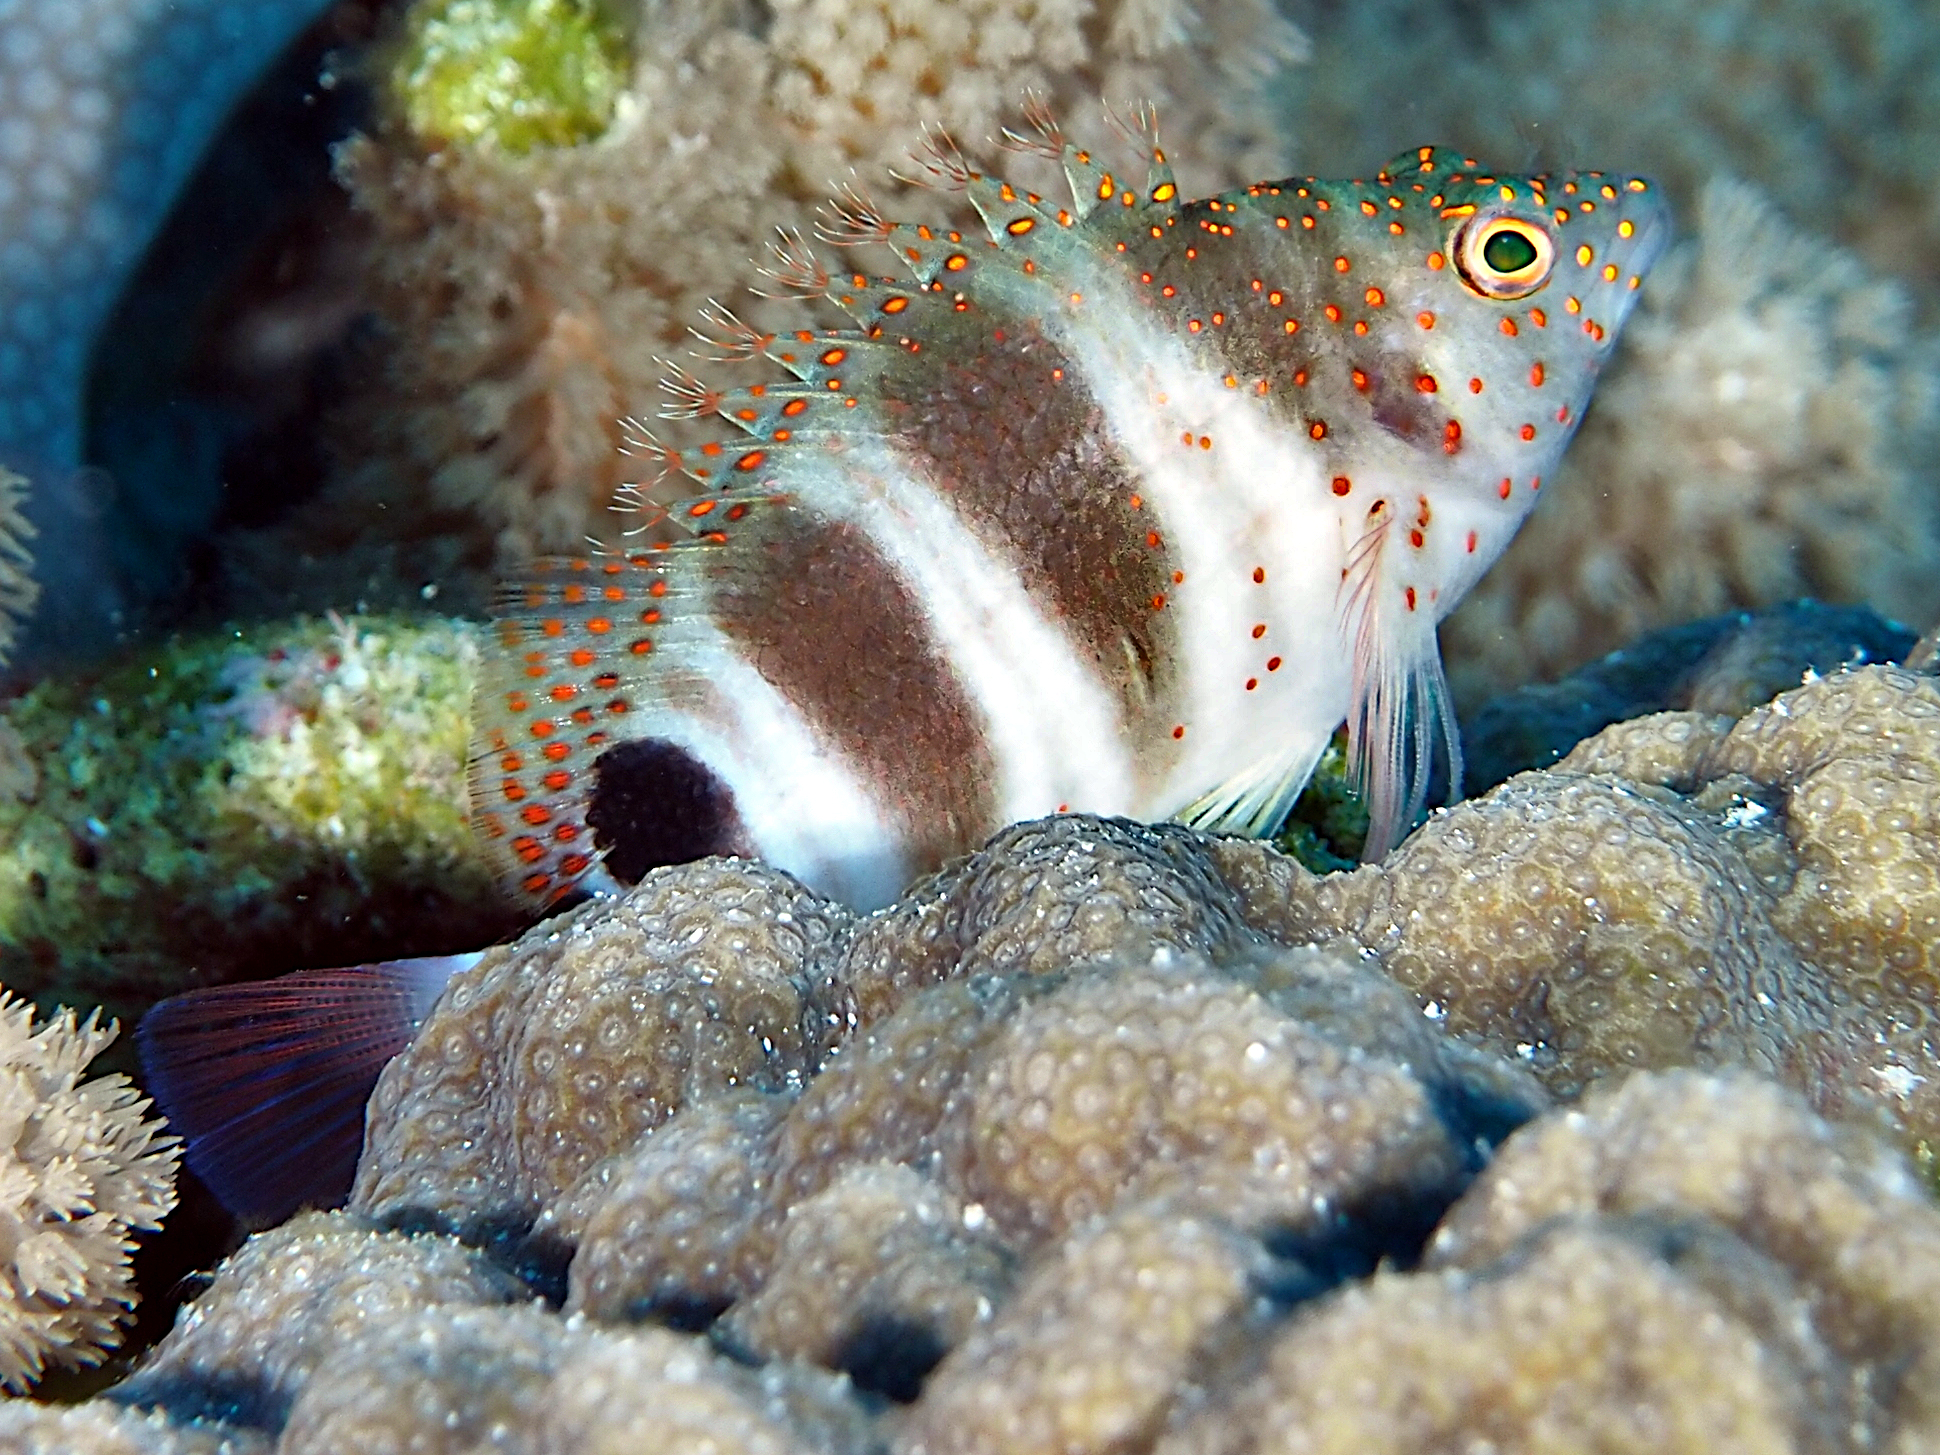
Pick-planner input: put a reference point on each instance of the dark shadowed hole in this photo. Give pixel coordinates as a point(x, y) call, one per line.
point(207, 1395)
point(542, 1262)
point(655, 803)
point(1355, 1241)
point(686, 1313)
point(891, 1356)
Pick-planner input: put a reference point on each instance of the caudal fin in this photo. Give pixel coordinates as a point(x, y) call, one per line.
point(266, 1082)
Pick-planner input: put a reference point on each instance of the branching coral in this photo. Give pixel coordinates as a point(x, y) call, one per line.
point(81, 1172)
point(529, 300)
point(1770, 429)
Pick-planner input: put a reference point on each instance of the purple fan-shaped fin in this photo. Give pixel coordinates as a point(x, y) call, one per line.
point(266, 1082)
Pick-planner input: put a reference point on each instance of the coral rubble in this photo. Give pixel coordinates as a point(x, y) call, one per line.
point(293, 794)
point(81, 1171)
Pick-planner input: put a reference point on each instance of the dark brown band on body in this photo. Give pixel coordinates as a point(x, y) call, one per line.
point(826, 621)
point(1005, 429)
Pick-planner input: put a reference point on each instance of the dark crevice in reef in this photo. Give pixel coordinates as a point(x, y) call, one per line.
point(236, 333)
point(891, 1357)
point(1351, 1243)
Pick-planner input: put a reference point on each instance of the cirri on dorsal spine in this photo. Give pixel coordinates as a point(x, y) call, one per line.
point(1117, 503)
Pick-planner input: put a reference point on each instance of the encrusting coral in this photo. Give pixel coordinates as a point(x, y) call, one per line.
point(529, 299)
point(245, 1350)
point(1118, 1138)
point(81, 1172)
point(101, 1428)
point(1682, 1263)
point(937, 1021)
point(293, 793)
point(1689, 889)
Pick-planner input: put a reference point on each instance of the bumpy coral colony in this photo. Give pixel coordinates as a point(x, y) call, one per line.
point(1122, 509)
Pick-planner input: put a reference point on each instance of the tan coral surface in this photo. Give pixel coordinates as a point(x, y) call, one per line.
point(552, 1053)
point(289, 1297)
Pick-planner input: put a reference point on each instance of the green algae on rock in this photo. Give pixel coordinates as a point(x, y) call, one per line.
point(238, 804)
point(510, 74)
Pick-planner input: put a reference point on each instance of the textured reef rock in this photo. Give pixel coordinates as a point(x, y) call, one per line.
point(1681, 1263)
point(936, 1027)
point(81, 1171)
point(1683, 889)
point(293, 794)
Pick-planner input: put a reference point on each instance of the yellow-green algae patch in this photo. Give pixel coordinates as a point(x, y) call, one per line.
point(1328, 824)
point(510, 74)
point(239, 805)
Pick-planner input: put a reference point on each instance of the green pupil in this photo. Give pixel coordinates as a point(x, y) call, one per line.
point(1508, 251)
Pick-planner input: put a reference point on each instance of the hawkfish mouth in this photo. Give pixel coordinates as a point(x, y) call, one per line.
point(1643, 231)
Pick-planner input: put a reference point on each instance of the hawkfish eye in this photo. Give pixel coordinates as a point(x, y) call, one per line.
point(1500, 256)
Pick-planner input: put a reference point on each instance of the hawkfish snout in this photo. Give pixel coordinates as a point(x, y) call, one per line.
point(1610, 230)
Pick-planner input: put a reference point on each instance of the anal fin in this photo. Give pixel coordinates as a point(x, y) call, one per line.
point(266, 1082)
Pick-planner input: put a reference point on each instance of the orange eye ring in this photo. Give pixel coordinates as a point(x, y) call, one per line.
point(1501, 255)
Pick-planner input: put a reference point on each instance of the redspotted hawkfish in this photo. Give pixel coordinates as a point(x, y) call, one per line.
point(1119, 504)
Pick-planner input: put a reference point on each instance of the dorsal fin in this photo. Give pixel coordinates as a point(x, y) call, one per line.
point(1089, 181)
point(1161, 189)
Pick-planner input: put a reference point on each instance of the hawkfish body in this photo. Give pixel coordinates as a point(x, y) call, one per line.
point(1121, 505)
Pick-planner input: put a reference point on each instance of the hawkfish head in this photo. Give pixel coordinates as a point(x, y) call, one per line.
point(1441, 327)
point(1471, 312)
